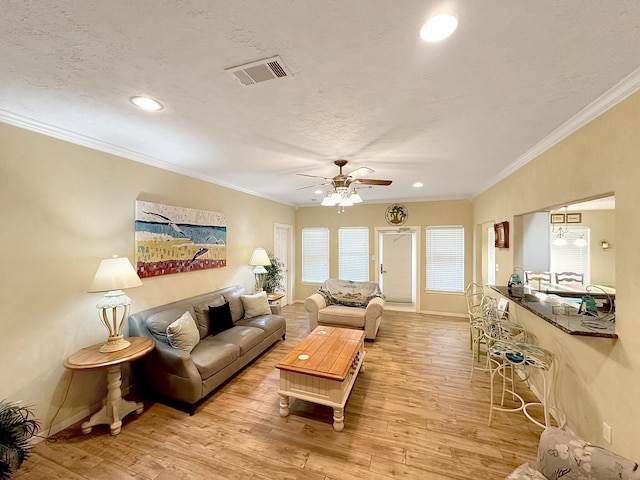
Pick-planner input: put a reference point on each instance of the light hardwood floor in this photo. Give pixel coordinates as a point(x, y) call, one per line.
point(412, 414)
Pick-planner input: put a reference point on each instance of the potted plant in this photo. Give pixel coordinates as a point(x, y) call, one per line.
point(16, 429)
point(274, 276)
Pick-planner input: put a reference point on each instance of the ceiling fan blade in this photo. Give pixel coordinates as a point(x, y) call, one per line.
point(371, 181)
point(312, 176)
point(311, 186)
point(360, 172)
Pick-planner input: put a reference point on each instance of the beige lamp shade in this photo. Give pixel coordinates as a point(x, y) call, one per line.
point(259, 257)
point(114, 275)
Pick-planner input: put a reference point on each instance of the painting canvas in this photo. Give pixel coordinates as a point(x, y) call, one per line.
point(173, 239)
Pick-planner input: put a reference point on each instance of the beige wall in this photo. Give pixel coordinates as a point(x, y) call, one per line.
point(421, 214)
point(597, 378)
point(602, 225)
point(66, 207)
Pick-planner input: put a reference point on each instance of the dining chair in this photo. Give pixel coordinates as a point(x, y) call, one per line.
point(570, 278)
point(530, 275)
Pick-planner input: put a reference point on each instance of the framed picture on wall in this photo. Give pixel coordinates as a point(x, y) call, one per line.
point(502, 234)
point(557, 218)
point(574, 218)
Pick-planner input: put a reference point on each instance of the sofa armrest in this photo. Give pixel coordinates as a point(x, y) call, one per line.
point(174, 361)
point(561, 450)
point(374, 308)
point(313, 304)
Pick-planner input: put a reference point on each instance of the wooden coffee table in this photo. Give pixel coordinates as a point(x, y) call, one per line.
point(322, 369)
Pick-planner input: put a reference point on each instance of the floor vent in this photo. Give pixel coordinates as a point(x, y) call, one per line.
point(260, 71)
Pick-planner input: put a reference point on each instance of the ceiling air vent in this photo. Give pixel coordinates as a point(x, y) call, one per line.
point(260, 71)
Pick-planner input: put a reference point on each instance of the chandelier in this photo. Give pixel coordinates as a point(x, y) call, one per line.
point(342, 197)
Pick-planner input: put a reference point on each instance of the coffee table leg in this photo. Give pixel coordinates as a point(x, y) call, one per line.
point(284, 405)
point(338, 419)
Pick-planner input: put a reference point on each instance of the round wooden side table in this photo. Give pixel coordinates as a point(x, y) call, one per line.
point(115, 407)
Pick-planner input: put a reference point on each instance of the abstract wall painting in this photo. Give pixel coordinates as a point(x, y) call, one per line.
point(173, 239)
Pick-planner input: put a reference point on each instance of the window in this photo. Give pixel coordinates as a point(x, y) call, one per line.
point(353, 253)
point(491, 256)
point(571, 257)
point(315, 255)
point(445, 258)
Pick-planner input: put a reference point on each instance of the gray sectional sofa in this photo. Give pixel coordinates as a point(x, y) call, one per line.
point(189, 376)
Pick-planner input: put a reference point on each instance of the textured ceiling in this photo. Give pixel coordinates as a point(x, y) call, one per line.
point(457, 115)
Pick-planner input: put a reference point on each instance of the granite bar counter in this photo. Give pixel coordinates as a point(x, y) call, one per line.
point(542, 306)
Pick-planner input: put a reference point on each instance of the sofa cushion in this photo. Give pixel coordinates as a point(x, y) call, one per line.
point(342, 315)
point(183, 333)
point(211, 355)
point(562, 451)
point(202, 313)
point(220, 318)
point(235, 304)
point(525, 472)
point(268, 323)
point(244, 337)
point(255, 305)
point(157, 323)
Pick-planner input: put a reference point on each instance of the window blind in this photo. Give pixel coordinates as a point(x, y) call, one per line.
point(353, 253)
point(445, 258)
point(315, 255)
point(570, 257)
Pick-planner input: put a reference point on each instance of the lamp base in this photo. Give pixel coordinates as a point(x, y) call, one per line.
point(115, 344)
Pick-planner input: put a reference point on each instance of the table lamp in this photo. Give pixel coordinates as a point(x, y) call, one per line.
point(259, 259)
point(114, 275)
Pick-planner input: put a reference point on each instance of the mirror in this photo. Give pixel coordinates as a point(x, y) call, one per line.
point(578, 237)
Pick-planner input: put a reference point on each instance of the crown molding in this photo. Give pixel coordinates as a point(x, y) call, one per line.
point(95, 144)
point(628, 86)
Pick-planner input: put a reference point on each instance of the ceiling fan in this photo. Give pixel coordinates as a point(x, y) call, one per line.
point(345, 180)
point(343, 195)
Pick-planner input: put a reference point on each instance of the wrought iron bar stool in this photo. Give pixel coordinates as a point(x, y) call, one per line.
point(506, 356)
point(504, 326)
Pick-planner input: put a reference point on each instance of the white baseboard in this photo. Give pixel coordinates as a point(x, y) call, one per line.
point(67, 422)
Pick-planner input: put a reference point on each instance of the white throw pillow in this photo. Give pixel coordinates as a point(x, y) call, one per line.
point(183, 333)
point(255, 305)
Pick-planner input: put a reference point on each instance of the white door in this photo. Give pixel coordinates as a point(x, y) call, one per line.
point(397, 267)
point(282, 241)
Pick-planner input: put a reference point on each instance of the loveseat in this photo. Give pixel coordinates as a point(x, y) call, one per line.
point(563, 455)
point(348, 304)
point(232, 328)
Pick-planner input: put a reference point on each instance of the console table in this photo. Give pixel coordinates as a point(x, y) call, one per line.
point(115, 407)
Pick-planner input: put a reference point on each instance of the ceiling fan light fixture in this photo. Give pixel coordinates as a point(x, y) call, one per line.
point(327, 201)
point(355, 197)
point(346, 202)
point(439, 27)
point(336, 197)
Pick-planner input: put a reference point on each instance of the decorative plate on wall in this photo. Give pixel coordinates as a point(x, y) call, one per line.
point(396, 214)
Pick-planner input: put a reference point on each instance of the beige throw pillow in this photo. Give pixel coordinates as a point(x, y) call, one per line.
point(183, 333)
point(255, 305)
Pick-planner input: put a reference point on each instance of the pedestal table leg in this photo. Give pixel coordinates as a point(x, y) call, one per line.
point(115, 408)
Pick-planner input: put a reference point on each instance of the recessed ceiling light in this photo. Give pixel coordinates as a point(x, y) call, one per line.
point(318, 192)
point(418, 184)
point(439, 27)
point(147, 104)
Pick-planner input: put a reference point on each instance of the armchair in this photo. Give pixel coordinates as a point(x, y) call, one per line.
point(335, 306)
